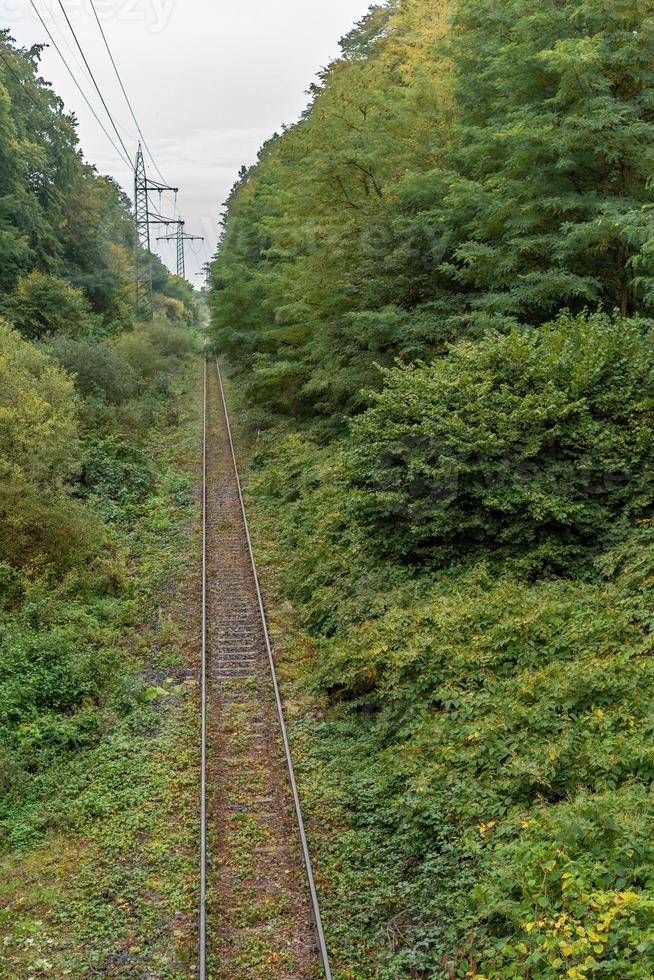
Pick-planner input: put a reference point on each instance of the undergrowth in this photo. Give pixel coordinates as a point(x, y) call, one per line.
point(474, 742)
point(98, 711)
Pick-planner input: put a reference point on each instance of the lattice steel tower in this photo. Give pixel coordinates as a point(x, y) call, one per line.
point(143, 219)
point(180, 237)
point(143, 268)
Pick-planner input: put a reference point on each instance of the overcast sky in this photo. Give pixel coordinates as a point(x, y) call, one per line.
point(209, 80)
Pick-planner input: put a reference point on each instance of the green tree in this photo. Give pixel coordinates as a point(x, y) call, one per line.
point(178, 289)
point(43, 305)
point(534, 441)
point(57, 215)
point(299, 285)
point(98, 370)
point(551, 204)
point(14, 248)
point(40, 523)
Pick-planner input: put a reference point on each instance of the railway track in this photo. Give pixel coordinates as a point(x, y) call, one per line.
point(259, 910)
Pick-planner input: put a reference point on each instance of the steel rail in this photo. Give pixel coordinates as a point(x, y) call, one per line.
point(203, 778)
point(315, 905)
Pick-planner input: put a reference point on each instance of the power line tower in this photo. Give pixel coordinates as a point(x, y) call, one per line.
point(143, 219)
point(206, 272)
point(143, 269)
point(180, 237)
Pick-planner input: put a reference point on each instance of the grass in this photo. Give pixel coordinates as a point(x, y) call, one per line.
point(103, 879)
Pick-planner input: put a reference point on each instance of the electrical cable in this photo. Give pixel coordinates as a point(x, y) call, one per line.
point(125, 156)
point(80, 67)
point(127, 100)
point(126, 96)
point(88, 68)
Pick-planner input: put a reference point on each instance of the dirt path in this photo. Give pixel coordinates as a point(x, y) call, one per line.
point(259, 918)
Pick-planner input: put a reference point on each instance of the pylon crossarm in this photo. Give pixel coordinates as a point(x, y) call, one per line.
point(152, 185)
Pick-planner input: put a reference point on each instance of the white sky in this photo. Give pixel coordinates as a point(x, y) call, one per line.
point(209, 80)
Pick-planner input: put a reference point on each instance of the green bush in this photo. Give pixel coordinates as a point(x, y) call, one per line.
point(49, 532)
point(152, 352)
point(117, 471)
point(84, 547)
point(98, 371)
point(136, 347)
point(486, 739)
point(61, 680)
point(500, 735)
point(531, 441)
point(44, 306)
point(44, 672)
point(41, 525)
point(170, 339)
point(170, 308)
point(185, 296)
point(38, 437)
point(335, 579)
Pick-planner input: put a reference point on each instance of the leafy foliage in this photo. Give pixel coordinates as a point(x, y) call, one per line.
point(532, 441)
point(466, 533)
point(462, 166)
point(66, 234)
point(44, 305)
point(484, 736)
point(552, 199)
point(115, 470)
point(40, 522)
point(57, 217)
point(98, 370)
point(77, 488)
point(97, 786)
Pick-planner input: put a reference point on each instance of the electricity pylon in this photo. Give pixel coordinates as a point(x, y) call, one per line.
point(206, 272)
point(180, 237)
point(143, 219)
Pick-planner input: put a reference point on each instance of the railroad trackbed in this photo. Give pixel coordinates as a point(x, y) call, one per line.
point(259, 913)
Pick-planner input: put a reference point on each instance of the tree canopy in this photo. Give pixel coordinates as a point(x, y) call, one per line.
point(462, 166)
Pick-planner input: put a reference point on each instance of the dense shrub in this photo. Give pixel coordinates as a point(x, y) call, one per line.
point(144, 359)
point(43, 672)
point(186, 300)
point(116, 470)
point(337, 579)
point(149, 350)
point(479, 732)
point(38, 436)
point(49, 532)
point(488, 737)
point(85, 542)
point(507, 735)
point(170, 339)
point(533, 440)
point(40, 523)
point(172, 309)
point(97, 369)
point(43, 305)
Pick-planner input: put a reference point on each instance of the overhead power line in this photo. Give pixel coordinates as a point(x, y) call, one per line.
point(124, 91)
point(121, 153)
point(129, 136)
point(90, 71)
